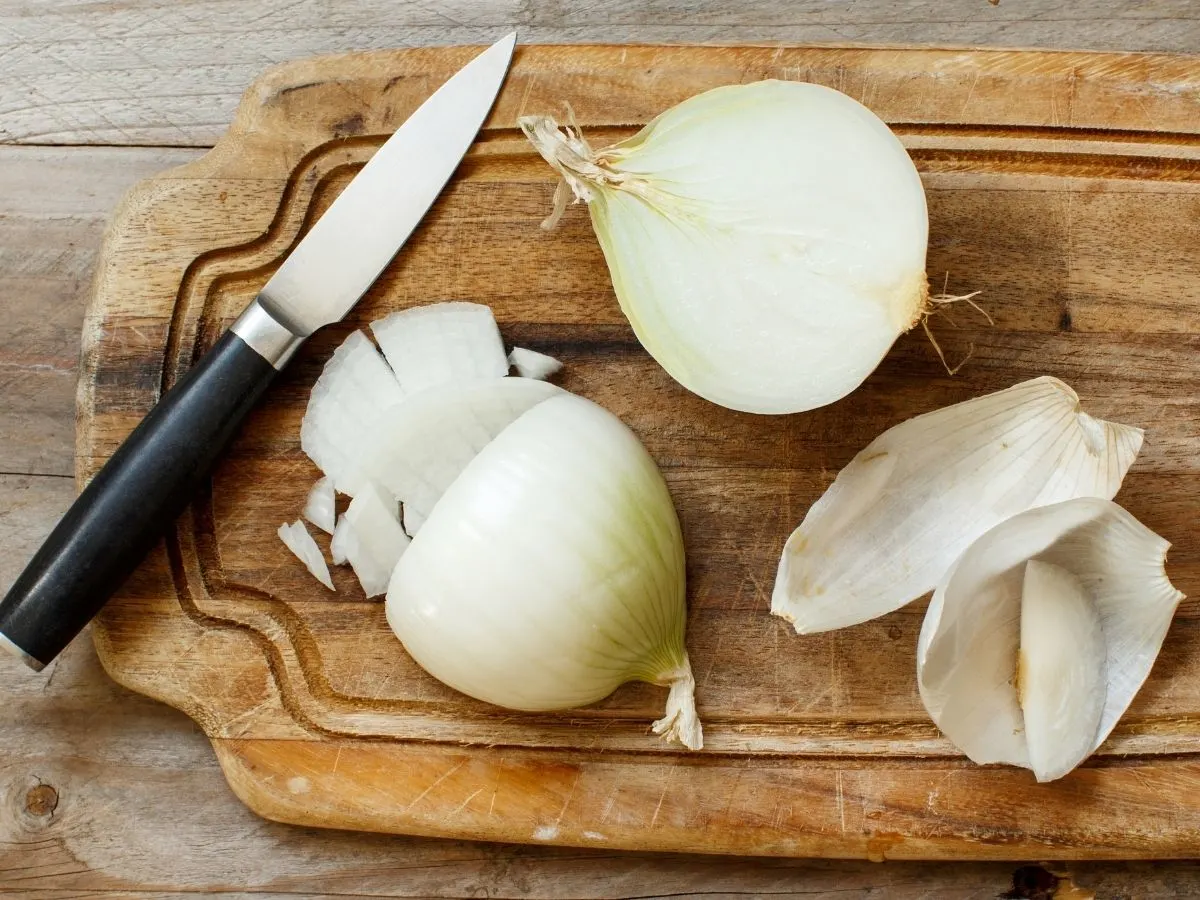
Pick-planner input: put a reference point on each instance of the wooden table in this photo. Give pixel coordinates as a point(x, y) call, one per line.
point(107, 793)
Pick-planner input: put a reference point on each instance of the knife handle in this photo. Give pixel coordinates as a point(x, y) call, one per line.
point(142, 488)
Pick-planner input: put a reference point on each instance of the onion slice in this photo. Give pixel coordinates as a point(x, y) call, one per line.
point(337, 545)
point(355, 390)
point(319, 508)
point(531, 364)
point(297, 539)
point(425, 443)
point(444, 343)
point(371, 540)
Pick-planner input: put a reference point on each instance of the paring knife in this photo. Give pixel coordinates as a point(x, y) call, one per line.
point(149, 480)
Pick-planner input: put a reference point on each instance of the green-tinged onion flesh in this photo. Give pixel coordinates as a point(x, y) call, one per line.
point(766, 241)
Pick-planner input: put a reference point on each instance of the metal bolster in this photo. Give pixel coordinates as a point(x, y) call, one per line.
point(36, 664)
point(266, 335)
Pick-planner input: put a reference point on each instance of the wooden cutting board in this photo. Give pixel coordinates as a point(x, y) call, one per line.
point(1064, 186)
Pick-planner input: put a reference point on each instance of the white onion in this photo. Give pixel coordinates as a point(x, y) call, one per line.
point(297, 539)
point(551, 571)
point(560, 522)
point(766, 241)
point(531, 364)
point(440, 344)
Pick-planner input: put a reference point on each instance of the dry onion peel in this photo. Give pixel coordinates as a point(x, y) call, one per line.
point(899, 515)
point(1061, 662)
point(766, 241)
point(1045, 693)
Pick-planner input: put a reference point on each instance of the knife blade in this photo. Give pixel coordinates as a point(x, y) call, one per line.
point(148, 481)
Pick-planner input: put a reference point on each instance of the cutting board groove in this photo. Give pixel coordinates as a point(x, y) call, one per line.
point(1061, 185)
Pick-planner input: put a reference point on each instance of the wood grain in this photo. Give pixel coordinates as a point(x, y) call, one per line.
point(54, 204)
point(816, 747)
point(171, 71)
point(138, 809)
point(145, 66)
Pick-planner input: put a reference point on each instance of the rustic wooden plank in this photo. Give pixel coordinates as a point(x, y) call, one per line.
point(104, 793)
point(366, 864)
point(29, 507)
point(170, 71)
point(54, 204)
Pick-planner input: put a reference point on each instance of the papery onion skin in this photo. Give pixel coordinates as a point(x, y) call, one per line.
point(551, 571)
point(896, 518)
point(970, 640)
point(766, 241)
point(1060, 669)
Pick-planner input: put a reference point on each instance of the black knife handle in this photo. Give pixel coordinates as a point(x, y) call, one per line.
point(126, 508)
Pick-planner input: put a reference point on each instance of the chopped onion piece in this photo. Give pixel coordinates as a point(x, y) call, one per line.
point(297, 539)
point(373, 540)
point(319, 508)
point(337, 546)
point(531, 364)
point(428, 440)
point(442, 343)
point(354, 391)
